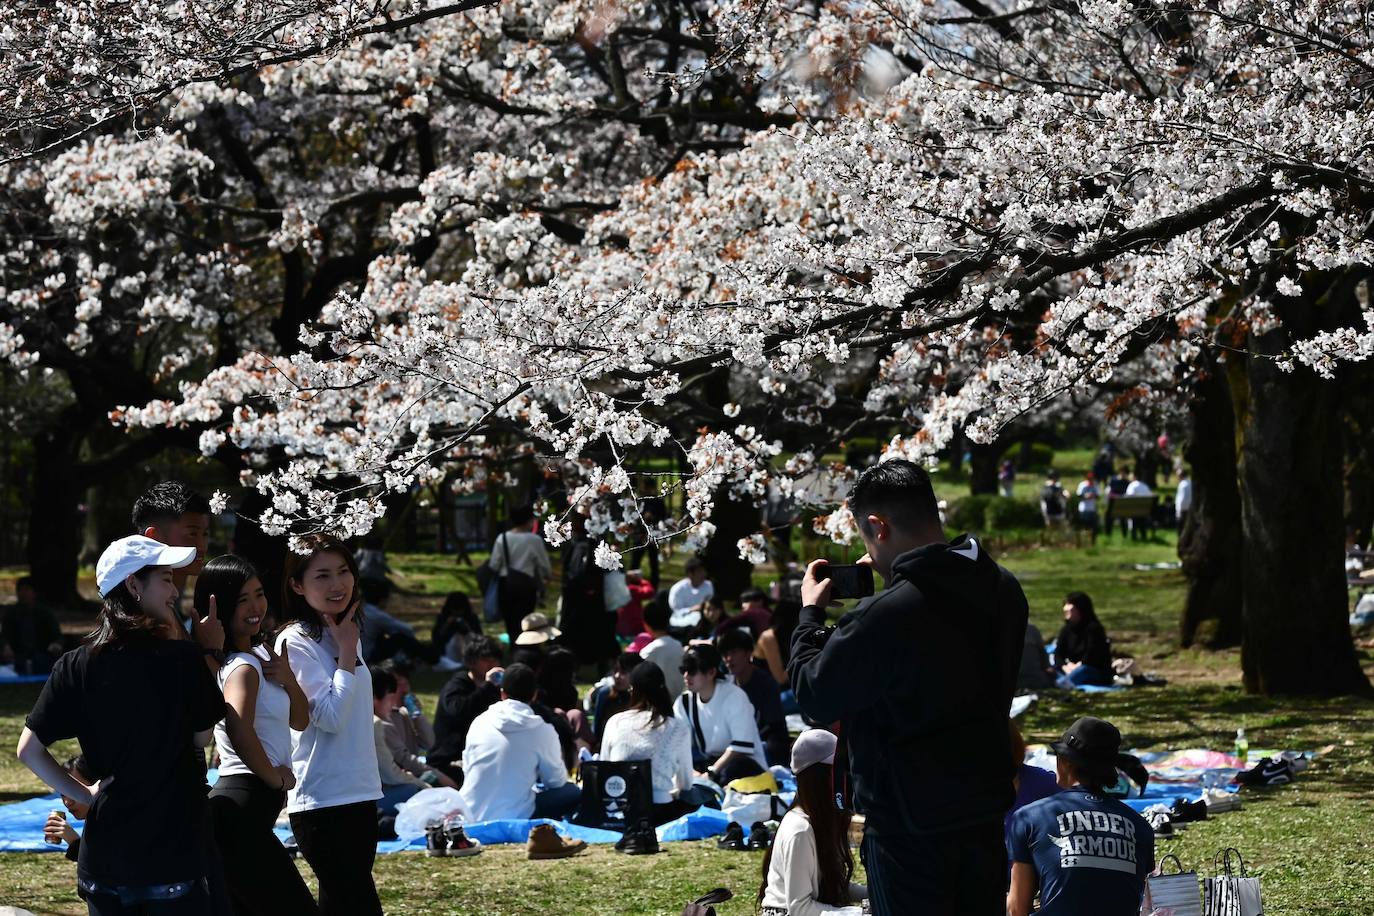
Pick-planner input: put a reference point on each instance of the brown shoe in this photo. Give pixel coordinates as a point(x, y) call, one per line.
point(545, 843)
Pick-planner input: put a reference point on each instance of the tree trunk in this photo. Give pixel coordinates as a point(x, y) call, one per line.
point(1359, 452)
point(266, 553)
point(1297, 637)
point(730, 575)
point(55, 528)
point(982, 466)
point(1209, 539)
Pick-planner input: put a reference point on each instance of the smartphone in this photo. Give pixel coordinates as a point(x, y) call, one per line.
point(854, 581)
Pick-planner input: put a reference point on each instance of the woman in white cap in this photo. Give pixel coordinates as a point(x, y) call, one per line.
point(138, 697)
point(808, 869)
point(333, 805)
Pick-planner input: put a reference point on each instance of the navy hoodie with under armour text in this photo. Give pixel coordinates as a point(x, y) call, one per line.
point(921, 676)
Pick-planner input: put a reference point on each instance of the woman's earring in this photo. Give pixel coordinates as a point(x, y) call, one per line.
point(138, 598)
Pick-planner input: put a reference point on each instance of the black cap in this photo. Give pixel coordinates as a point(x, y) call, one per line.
point(1090, 742)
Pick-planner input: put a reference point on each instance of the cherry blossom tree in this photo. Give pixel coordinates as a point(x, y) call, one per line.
point(745, 232)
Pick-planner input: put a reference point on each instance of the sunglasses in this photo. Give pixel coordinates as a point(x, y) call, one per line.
point(689, 669)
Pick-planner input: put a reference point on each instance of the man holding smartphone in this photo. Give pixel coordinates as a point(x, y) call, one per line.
point(919, 678)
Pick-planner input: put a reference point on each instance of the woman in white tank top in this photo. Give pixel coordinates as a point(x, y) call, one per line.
point(262, 703)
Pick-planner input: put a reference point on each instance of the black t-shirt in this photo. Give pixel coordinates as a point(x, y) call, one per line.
point(134, 707)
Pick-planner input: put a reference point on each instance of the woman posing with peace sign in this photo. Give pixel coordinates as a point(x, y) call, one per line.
point(333, 805)
point(263, 703)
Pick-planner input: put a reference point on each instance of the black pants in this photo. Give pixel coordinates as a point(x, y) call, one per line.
point(955, 873)
point(261, 878)
point(340, 843)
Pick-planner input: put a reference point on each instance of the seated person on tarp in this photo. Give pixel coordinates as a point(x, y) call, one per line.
point(30, 636)
point(410, 735)
point(1032, 783)
point(611, 695)
point(1082, 651)
point(648, 730)
point(397, 784)
point(512, 766)
point(736, 647)
point(454, 625)
point(467, 694)
point(383, 635)
point(725, 740)
point(1036, 672)
point(808, 870)
point(56, 830)
point(1084, 852)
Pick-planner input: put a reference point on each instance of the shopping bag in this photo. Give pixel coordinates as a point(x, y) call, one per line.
point(1232, 892)
point(1174, 893)
point(616, 795)
point(491, 601)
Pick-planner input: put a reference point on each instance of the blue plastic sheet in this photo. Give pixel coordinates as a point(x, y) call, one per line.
point(21, 825)
point(23, 679)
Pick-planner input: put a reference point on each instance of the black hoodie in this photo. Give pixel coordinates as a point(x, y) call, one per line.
point(921, 677)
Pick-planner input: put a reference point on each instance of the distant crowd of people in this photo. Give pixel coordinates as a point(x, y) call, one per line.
point(307, 699)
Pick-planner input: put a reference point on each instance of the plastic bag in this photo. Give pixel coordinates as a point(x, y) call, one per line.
point(428, 806)
point(750, 808)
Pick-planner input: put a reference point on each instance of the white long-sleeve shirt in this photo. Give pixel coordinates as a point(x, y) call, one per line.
point(725, 723)
point(334, 758)
point(794, 877)
point(667, 746)
point(509, 749)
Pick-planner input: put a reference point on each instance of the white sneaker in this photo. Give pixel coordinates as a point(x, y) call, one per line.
point(1298, 761)
point(1219, 800)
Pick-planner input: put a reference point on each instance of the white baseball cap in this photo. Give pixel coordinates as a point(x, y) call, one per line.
point(127, 556)
point(815, 745)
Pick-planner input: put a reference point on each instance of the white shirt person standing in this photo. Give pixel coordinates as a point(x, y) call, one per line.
point(333, 806)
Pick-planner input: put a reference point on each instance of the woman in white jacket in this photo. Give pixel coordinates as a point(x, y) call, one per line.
point(807, 870)
point(333, 806)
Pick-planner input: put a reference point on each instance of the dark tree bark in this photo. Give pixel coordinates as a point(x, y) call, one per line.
point(730, 575)
point(266, 553)
point(55, 530)
point(1359, 455)
point(1297, 636)
point(1209, 540)
point(982, 466)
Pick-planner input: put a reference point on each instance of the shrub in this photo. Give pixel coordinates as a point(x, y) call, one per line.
point(969, 513)
point(1005, 514)
point(987, 512)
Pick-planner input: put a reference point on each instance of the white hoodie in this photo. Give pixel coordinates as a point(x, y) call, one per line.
point(509, 749)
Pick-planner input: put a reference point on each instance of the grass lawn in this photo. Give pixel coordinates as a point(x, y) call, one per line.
point(1308, 842)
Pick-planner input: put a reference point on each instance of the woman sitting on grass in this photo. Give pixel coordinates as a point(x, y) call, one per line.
point(1083, 653)
point(807, 870)
point(648, 730)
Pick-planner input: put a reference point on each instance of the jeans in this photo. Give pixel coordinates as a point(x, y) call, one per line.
point(955, 873)
point(393, 796)
point(340, 844)
point(557, 804)
point(1086, 675)
point(260, 875)
point(191, 898)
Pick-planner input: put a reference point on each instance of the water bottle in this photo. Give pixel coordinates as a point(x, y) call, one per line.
point(1242, 746)
point(412, 705)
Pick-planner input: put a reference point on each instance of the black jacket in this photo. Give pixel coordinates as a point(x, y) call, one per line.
point(921, 677)
point(460, 701)
point(1086, 643)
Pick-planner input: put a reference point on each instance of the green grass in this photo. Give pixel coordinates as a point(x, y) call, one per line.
point(1308, 841)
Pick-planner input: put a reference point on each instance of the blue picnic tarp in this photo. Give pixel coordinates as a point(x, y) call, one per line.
point(21, 828)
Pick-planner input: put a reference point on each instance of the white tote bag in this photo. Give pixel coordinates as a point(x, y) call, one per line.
point(1232, 892)
point(1176, 894)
